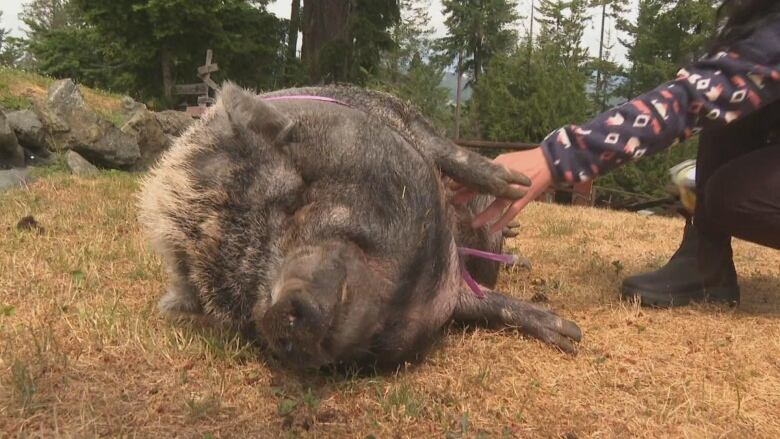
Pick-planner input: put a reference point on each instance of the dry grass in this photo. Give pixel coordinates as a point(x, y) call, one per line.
point(83, 352)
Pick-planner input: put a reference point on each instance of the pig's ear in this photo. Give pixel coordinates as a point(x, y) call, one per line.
point(247, 111)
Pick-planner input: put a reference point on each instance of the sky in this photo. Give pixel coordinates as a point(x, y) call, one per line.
point(11, 9)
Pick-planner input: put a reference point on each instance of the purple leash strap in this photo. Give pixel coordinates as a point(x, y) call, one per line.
point(304, 98)
point(497, 257)
point(463, 251)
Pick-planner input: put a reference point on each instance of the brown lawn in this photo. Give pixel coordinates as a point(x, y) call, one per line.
point(83, 352)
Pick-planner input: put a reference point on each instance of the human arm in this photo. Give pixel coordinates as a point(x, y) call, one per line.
point(714, 91)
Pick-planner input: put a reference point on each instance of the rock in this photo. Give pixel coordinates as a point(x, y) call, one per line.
point(174, 123)
point(130, 106)
point(14, 178)
point(30, 132)
point(74, 126)
point(149, 134)
point(79, 165)
point(64, 96)
point(11, 153)
point(155, 133)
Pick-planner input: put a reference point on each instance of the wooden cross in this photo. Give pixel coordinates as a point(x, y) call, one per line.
point(205, 71)
point(202, 88)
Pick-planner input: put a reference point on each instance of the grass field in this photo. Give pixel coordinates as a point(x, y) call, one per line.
point(83, 352)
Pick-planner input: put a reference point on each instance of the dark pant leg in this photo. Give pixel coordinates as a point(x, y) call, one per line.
point(719, 147)
point(743, 197)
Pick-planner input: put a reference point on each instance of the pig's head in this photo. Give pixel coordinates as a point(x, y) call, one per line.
point(330, 301)
point(326, 306)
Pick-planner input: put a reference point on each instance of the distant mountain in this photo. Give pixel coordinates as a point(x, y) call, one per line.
point(450, 82)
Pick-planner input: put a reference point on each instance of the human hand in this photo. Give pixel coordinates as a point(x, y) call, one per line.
point(533, 164)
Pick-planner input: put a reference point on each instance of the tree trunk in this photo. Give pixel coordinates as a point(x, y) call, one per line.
point(601, 94)
point(324, 22)
point(477, 61)
point(458, 94)
point(166, 63)
point(531, 38)
point(474, 82)
point(295, 24)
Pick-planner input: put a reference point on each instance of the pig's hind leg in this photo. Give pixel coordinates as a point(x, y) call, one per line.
point(181, 298)
point(497, 310)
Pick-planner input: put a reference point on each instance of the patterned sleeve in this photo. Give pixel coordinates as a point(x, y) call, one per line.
point(716, 90)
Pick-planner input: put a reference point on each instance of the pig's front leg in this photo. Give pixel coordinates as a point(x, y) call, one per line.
point(497, 310)
point(467, 168)
point(471, 169)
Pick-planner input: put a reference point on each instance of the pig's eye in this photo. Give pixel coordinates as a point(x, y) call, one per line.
point(363, 239)
point(292, 292)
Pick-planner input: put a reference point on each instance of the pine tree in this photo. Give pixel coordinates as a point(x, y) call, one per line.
point(3, 32)
point(343, 39)
point(478, 30)
point(524, 96)
point(605, 67)
point(149, 45)
point(665, 36)
point(61, 44)
point(4, 58)
point(562, 27)
point(408, 70)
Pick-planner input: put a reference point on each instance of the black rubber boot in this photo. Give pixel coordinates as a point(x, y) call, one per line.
point(701, 269)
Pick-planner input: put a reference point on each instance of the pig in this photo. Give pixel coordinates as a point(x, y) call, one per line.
point(316, 222)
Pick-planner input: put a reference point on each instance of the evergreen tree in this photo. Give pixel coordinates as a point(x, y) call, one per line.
point(62, 45)
point(523, 97)
point(343, 39)
point(562, 27)
point(408, 70)
point(604, 66)
point(3, 32)
point(478, 30)
point(665, 36)
point(609, 78)
point(5, 59)
point(166, 40)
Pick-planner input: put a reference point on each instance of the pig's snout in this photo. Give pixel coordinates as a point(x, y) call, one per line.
point(304, 301)
point(294, 313)
point(294, 328)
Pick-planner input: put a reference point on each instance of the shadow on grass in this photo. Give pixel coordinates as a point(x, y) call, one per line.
point(760, 295)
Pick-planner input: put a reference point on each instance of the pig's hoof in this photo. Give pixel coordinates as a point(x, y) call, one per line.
point(505, 183)
point(549, 328)
point(511, 230)
point(522, 262)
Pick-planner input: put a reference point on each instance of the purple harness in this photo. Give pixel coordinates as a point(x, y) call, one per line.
point(462, 251)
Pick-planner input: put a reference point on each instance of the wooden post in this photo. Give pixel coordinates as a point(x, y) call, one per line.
point(201, 89)
point(599, 96)
point(582, 194)
point(166, 64)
